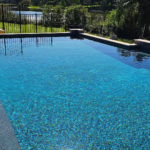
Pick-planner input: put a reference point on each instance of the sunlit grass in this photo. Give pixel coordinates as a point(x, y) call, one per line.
point(34, 7)
point(29, 28)
point(88, 6)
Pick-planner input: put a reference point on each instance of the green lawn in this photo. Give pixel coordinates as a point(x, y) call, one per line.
point(29, 28)
point(34, 7)
point(88, 6)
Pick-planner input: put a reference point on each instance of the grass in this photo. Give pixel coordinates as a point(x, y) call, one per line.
point(126, 40)
point(33, 7)
point(29, 28)
point(88, 6)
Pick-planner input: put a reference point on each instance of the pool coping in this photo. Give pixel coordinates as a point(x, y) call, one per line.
point(110, 42)
point(26, 35)
point(75, 33)
point(143, 44)
point(8, 140)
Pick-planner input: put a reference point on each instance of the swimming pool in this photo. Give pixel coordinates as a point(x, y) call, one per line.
point(75, 94)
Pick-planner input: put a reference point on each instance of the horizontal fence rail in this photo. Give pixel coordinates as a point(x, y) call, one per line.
point(16, 22)
point(13, 22)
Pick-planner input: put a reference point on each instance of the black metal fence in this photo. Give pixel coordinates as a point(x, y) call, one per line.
point(17, 22)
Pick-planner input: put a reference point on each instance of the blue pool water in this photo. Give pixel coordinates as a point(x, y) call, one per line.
point(75, 94)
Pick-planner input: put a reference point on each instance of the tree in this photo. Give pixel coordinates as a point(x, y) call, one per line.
point(77, 2)
point(56, 13)
point(135, 14)
point(76, 16)
point(63, 3)
point(17, 1)
point(27, 2)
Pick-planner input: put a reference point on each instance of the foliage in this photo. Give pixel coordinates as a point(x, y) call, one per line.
point(111, 21)
point(62, 3)
point(77, 2)
point(54, 12)
point(97, 23)
point(27, 2)
point(50, 3)
point(12, 17)
point(134, 15)
point(130, 19)
point(17, 1)
point(111, 18)
point(68, 2)
point(75, 16)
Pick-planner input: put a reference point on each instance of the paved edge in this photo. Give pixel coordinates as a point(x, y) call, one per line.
point(79, 35)
point(25, 35)
point(143, 44)
point(8, 140)
point(114, 43)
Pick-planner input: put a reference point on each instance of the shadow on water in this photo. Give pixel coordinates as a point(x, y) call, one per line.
point(138, 56)
point(135, 58)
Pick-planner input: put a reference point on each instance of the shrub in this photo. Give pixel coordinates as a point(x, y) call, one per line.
point(62, 3)
point(57, 14)
point(75, 16)
point(50, 3)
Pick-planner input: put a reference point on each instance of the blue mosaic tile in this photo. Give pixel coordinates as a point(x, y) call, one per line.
point(71, 95)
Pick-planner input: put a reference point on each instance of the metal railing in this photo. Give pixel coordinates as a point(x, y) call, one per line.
point(16, 22)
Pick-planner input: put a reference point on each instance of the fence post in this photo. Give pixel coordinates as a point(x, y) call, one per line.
point(19, 9)
point(65, 23)
point(51, 23)
point(82, 23)
point(3, 17)
point(36, 21)
point(20, 18)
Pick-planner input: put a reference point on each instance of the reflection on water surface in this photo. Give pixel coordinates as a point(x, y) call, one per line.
point(133, 58)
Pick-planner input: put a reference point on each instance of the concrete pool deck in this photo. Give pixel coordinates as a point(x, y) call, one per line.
point(110, 42)
point(8, 140)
